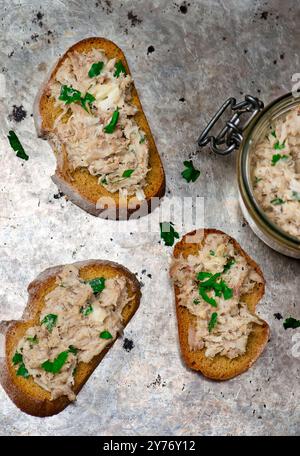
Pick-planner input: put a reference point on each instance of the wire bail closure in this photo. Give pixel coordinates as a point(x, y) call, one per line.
point(231, 134)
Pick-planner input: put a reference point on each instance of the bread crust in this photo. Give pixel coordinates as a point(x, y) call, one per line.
point(220, 367)
point(80, 186)
point(25, 393)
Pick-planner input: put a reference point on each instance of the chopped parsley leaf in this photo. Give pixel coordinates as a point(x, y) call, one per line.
point(213, 321)
point(278, 146)
point(17, 358)
point(16, 145)
point(96, 69)
point(291, 323)
point(228, 265)
point(73, 349)
point(55, 366)
point(105, 335)
point(142, 140)
point(206, 298)
point(127, 172)
point(70, 95)
point(22, 371)
point(273, 133)
point(119, 68)
point(277, 201)
point(277, 157)
point(167, 233)
point(212, 253)
point(97, 284)
point(86, 310)
point(190, 173)
point(110, 128)
point(49, 321)
point(204, 275)
point(104, 181)
point(257, 179)
point(196, 301)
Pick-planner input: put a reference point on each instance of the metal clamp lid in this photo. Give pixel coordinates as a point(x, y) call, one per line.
point(231, 134)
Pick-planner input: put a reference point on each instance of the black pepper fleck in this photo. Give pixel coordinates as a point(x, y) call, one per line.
point(150, 50)
point(278, 316)
point(128, 344)
point(18, 113)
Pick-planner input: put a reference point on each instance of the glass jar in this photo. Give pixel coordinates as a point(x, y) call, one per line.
point(262, 226)
point(245, 137)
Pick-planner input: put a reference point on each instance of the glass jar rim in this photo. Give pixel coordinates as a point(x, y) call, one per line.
point(245, 187)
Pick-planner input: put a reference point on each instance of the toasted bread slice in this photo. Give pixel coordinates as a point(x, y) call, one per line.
point(79, 185)
point(219, 367)
point(25, 393)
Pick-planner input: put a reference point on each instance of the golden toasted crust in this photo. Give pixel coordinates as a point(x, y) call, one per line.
point(25, 393)
point(220, 367)
point(80, 186)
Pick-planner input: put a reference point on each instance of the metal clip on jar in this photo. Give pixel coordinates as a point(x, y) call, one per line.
point(244, 135)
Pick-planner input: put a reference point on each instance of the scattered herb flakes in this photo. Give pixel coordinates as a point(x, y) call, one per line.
point(105, 335)
point(87, 99)
point(278, 146)
point(273, 133)
point(213, 321)
point(296, 196)
point(127, 172)
point(96, 69)
point(212, 284)
point(73, 349)
point(212, 253)
point(22, 371)
point(168, 233)
point(49, 321)
point(291, 323)
point(16, 145)
point(142, 140)
point(97, 284)
point(257, 179)
point(190, 173)
point(55, 366)
point(119, 68)
point(86, 310)
point(110, 128)
point(17, 358)
point(277, 157)
point(203, 275)
point(277, 201)
point(104, 181)
point(196, 301)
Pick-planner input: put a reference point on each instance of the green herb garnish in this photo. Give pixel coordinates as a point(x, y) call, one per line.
point(273, 133)
point(203, 275)
point(119, 68)
point(17, 358)
point(49, 321)
point(190, 173)
point(277, 157)
point(206, 298)
point(277, 201)
point(33, 340)
point(291, 323)
point(228, 265)
point(278, 146)
point(296, 196)
point(212, 253)
point(110, 128)
point(22, 371)
point(257, 179)
point(73, 349)
point(86, 310)
point(196, 301)
point(142, 140)
point(55, 366)
point(104, 181)
point(96, 69)
point(105, 335)
point(70, 95)
point(127, 172)
point(167, 233)
point(97, 284)
point(213, 321)
point(16, 145)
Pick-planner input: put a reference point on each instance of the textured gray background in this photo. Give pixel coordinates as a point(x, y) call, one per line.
point(204, 52)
